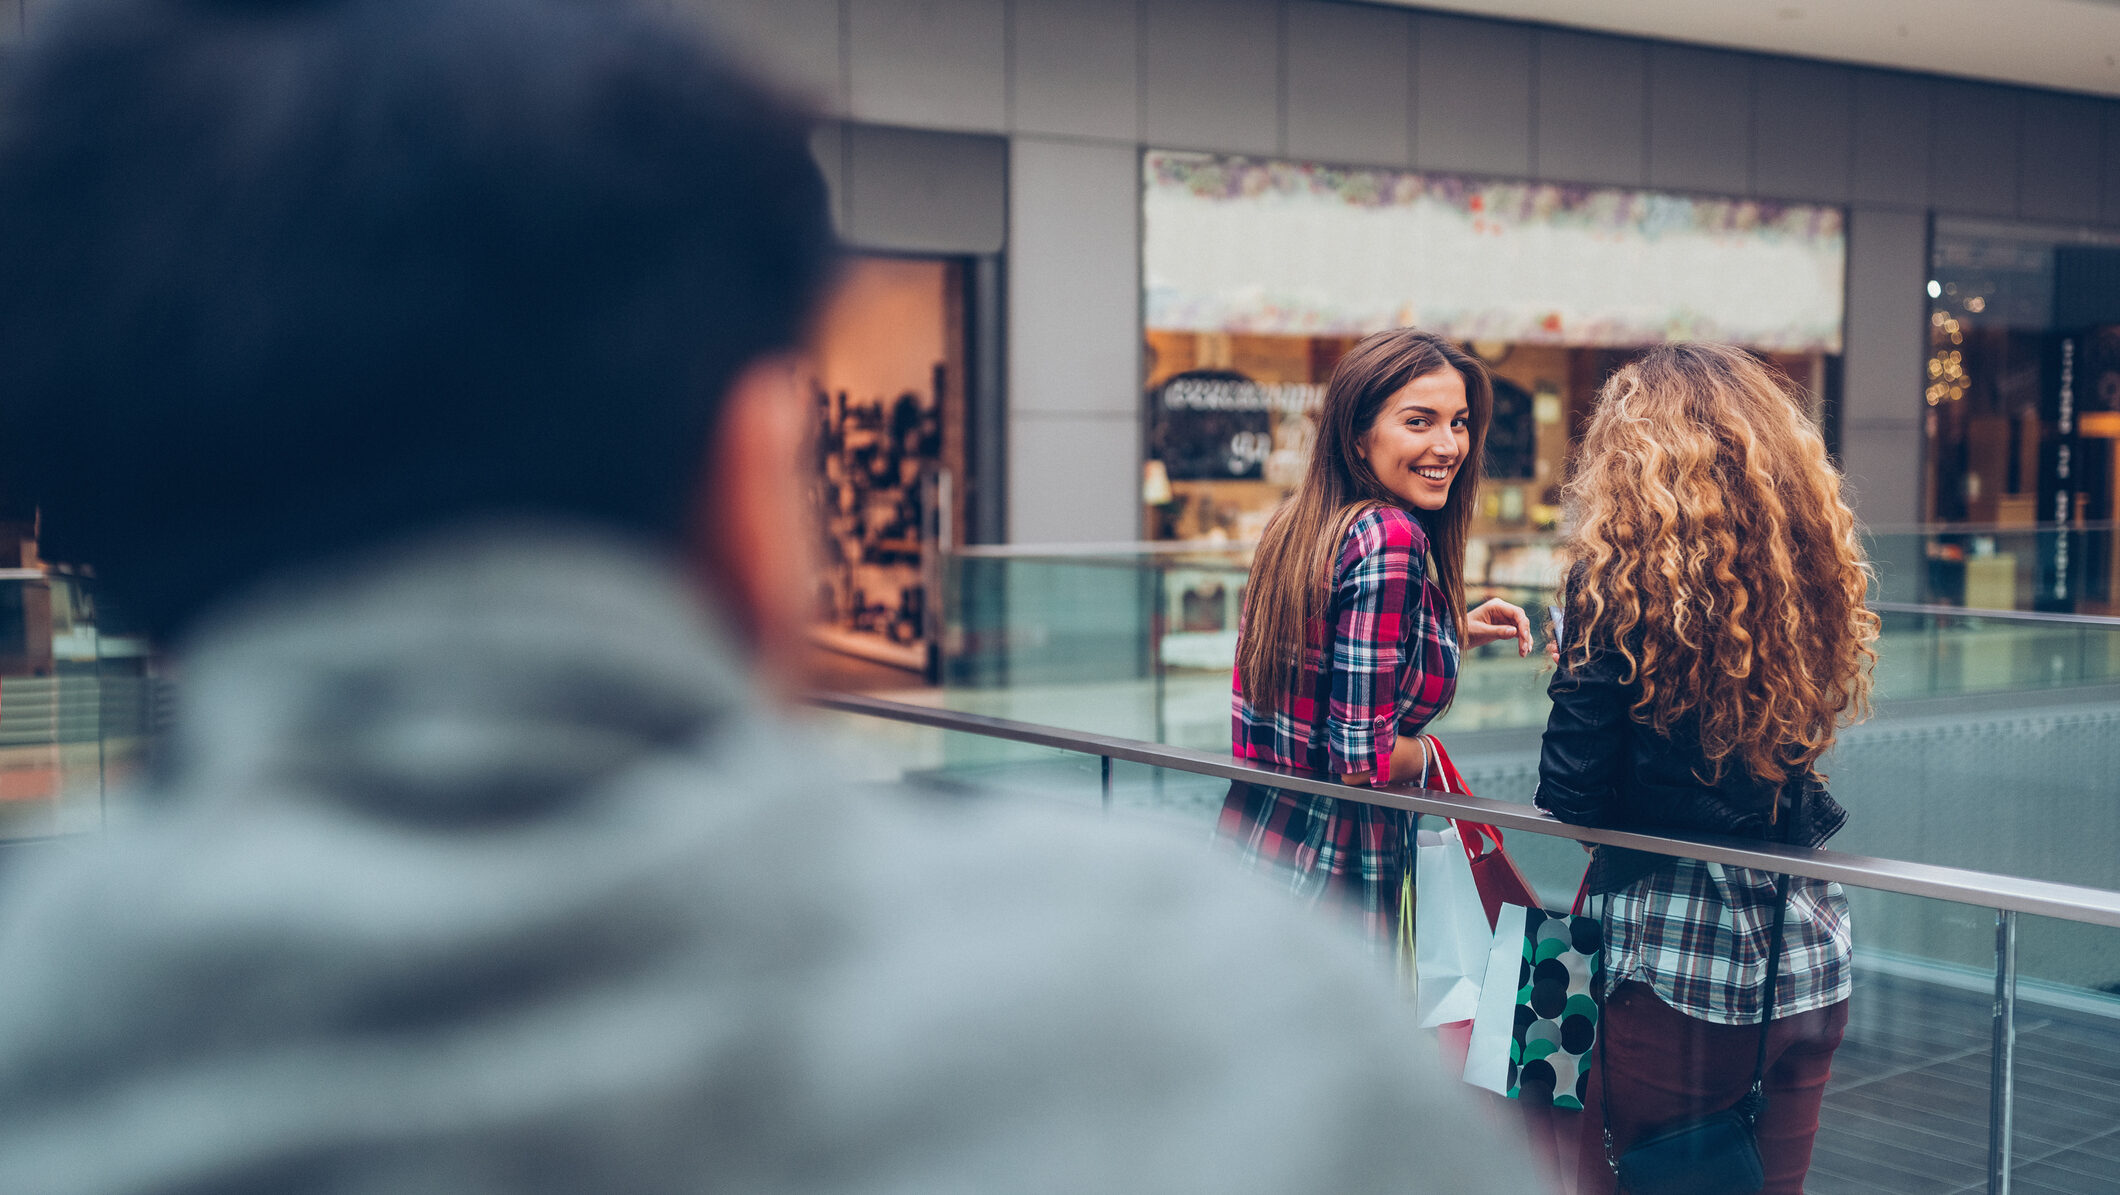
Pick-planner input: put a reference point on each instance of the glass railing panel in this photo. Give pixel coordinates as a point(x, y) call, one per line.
point(1182, 800)
point(1922, 1097)
point(66, 714)
point(1941, 654)
point(1016, 621)
point(1988, 567)
point(2065, 1077)
point(880, 750)
point(2016, 787)
point(1142, 644)
point(1908, 1105)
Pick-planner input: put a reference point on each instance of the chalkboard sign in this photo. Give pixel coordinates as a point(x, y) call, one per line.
point(1211, 424)
point(1512, 437)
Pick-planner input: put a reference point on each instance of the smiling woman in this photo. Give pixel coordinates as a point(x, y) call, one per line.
point(1420, 439)
point(1354, 619)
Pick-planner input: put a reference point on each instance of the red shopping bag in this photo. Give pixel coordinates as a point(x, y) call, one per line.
point(1494, 873)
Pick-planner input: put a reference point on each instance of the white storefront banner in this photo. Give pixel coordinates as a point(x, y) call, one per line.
point(1249, 245)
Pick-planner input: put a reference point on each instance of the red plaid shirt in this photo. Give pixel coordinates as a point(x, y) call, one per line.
point(1393, 664)
point(1389, 665)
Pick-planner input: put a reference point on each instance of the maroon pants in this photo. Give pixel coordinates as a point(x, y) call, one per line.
point(1662, 1066)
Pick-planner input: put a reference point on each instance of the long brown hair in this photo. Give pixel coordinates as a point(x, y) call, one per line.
point(1291, 572)
point(1712, 549)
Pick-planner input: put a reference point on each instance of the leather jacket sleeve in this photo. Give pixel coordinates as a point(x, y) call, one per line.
point(1587, 739)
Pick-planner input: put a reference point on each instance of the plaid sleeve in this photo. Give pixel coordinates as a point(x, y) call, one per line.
point(1377, 570)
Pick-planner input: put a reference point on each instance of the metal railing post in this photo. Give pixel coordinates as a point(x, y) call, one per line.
point(1106, 761)
point(2002, 1076)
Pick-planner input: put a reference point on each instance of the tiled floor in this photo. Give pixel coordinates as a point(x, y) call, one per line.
point(1907, 1110)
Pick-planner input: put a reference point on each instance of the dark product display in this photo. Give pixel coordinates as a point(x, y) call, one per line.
point(874, 463)
point(1512, 438)
point(1211, 424)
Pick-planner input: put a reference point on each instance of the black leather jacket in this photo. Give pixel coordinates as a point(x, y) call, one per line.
point(1600, 767)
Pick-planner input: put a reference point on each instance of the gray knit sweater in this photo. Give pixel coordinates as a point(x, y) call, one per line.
point(476, 868)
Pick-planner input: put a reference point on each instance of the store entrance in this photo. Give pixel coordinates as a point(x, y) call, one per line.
point(891, 445)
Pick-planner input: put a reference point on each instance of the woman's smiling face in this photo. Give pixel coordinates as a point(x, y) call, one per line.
point(1420, 439)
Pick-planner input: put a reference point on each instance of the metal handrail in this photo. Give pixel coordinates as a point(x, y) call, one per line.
point(2077, 620)
point(1151, 553)
point(2012, 894)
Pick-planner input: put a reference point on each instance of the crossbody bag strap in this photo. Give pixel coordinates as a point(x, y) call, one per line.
point(1755, 1099)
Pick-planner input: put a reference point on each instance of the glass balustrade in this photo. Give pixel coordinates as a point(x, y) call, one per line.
point(1947, 1081)
point(77, 705)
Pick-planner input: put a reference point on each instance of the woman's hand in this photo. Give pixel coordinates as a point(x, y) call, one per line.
point(1408, 761)
point(1495, 620)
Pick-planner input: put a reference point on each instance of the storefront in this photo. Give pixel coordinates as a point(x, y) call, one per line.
point(1258, 274)
point(2022, 432)
point(891, 440)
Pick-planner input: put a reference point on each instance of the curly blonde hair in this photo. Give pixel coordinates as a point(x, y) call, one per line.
point(1712, 549)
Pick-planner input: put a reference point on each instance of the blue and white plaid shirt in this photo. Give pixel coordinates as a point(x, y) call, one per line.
point(1698, 933)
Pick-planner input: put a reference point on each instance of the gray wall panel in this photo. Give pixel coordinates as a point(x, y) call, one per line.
point(1883, 467)
point(794, 41)
point(1074, 479)
point(1803, 116)
point(936, 63)
point(917, 191)
point(1881, 406)
point(1591, 93)
point(1074, 382)
point(1075, 67)
point(1074, 284)
point(1891, 163)
point(1472, 96)
point(1973, 149)
point(2063, 141)
point(1349, 83)
point(1700, 120)
point(1211, 75)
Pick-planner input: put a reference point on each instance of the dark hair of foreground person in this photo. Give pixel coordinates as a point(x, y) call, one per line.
point(290, 278)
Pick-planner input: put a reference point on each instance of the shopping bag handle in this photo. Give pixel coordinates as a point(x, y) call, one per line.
point(1476, 838)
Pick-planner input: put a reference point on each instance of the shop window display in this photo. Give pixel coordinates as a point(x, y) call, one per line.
point(2021, 393)
point(888, 439)
point(1259, 274)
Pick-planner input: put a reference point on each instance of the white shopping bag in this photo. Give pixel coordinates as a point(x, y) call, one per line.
point(1450, 936)
point(1494, 1022)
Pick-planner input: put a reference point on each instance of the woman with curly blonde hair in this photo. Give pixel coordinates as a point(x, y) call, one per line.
point(1713, 639)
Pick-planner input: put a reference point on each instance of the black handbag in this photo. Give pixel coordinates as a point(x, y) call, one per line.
point(1716, 1154)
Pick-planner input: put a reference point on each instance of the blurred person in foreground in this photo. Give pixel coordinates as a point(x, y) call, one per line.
point(419, 371)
